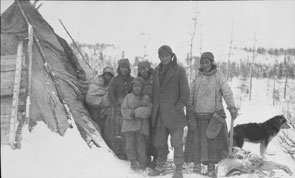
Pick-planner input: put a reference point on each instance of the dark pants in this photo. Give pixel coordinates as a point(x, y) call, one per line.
point(151, 151)
point(160, 142)
point(113, 136)
point(136, 148)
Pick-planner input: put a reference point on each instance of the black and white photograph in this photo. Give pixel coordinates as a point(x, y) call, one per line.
point(142, 89)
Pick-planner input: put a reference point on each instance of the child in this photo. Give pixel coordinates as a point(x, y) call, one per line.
point(136, 109)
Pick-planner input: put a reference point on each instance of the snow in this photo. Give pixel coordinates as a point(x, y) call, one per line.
point(46, 155)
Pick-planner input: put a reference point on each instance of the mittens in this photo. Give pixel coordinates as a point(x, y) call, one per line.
point(215, 125)
point(233, 112)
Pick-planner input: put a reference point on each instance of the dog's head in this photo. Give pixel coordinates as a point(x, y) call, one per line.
point(281, 122)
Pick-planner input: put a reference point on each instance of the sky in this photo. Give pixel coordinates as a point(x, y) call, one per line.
point(133, 25)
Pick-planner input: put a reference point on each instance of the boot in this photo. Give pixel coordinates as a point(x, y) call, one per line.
point(178, 171)
point(156, 172)
point(211, 170)
point(134, 165)
point(142, 167)
point(197, 168)
point(177, 174)
point(122, 156)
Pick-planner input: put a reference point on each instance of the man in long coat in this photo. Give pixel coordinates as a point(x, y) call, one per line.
point(170, 96)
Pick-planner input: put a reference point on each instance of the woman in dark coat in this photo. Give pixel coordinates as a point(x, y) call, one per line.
point(207, 140)
point(99, 114)
point(170, 96)
point(120, 86)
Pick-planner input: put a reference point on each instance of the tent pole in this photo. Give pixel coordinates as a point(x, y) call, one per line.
point(15, 96)
point(46, 66)
point(30, 56)
point(75, 44)
point(53, 77)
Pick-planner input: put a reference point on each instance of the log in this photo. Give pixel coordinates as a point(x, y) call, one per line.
point(15, 98)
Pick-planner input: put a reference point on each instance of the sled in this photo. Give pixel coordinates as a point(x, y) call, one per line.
point(243, 162)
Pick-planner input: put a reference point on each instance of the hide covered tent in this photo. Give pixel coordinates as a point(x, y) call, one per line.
point(41, 78)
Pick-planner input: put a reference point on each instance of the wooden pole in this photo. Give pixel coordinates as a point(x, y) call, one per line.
point(15, 97)
point(30, 57)
point(231, 137)
point(251, 70)
point(46, 64)
point(191, 45)
point(274, 89)
point(75, 44)
point(201, 38)
point(38, 7)
point(253, 57)
point(230, 47)
point(53, 78)
point(35, 2)
point(287, 75)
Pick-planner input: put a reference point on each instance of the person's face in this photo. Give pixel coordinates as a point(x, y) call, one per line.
point(124, 71)
point(108, 77)
point(165, 58)
point(206, 65)
point(137, 88)
point(144, 72)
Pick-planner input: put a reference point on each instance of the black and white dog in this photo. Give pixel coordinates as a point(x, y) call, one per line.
point(261, 133)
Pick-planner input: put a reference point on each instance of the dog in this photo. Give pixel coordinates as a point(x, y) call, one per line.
point(261, 133)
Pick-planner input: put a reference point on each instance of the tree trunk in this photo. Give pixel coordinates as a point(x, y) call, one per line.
point(274, 90)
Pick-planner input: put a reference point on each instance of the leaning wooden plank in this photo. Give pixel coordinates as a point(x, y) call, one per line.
point(8, 63)
point(7, 82)
point(5, 125)
point(6, 103)
point(5, 121)
point(7, 91)
point(8, 59)
point(7, 67)
point(15, 98)
point(30, 56)
point(5, 140)
point(7, 77)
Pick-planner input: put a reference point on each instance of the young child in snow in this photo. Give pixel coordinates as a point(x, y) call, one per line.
point(136, 109)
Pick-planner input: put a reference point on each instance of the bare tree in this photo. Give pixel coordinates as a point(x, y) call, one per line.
point(287, 74)
point(145, 45)
point(287, 137)
point(193, 34)
point(253, 58)
point(274, 91)
point(230, 47)
point(201, 38)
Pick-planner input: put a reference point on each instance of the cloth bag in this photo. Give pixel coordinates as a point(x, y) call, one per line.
point(97, 96)
point(215, 125)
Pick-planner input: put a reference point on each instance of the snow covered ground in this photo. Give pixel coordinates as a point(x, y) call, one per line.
point(47, 155)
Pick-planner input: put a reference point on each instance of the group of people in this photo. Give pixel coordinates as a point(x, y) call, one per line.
point(157, 103)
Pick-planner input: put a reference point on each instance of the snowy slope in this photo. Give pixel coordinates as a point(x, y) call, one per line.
point(259, 109)
point(47, 155)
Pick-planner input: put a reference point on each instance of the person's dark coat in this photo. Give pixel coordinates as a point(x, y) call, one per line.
point(148, 87)
point(171, 96)
point(119, 87)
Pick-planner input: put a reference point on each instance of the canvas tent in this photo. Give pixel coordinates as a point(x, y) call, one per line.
point(41, 79)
